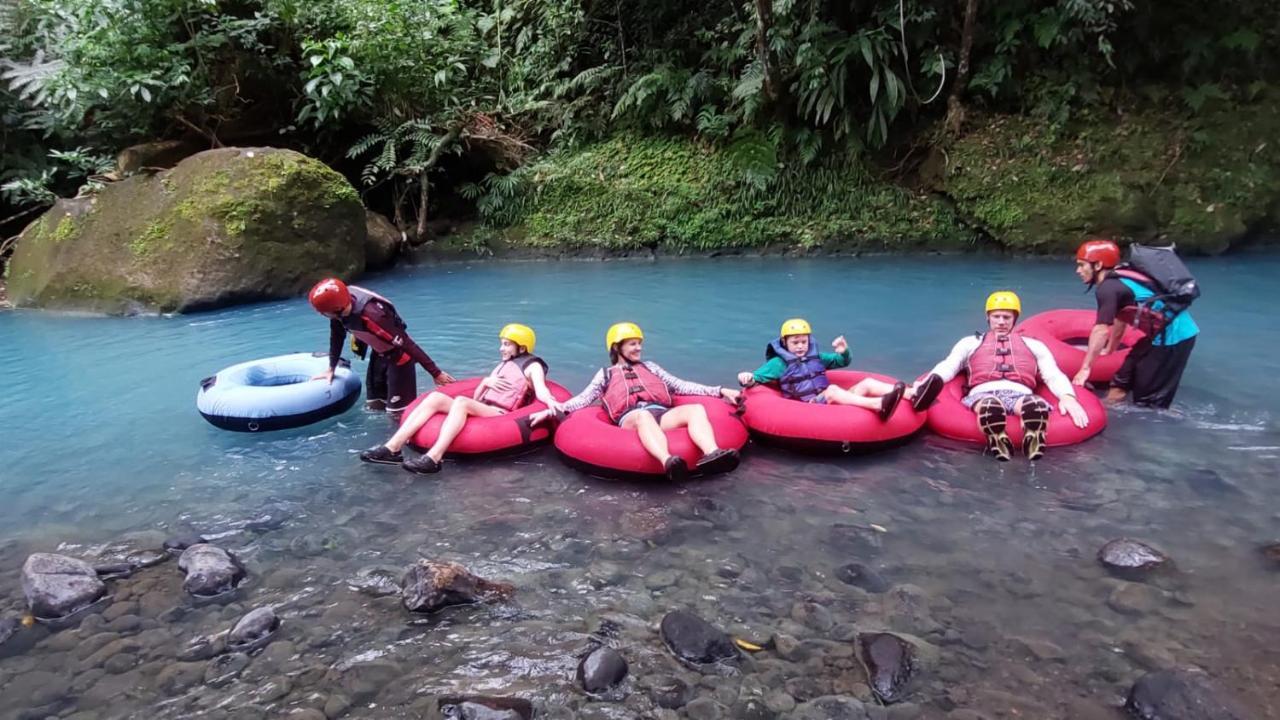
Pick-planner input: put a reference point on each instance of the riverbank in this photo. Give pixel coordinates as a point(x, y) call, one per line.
point(1012, 184)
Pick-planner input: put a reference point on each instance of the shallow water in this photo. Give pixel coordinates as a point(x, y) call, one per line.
point(993, 565)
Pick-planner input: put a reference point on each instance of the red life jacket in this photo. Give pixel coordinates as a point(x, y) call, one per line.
point(512, 371)
point(1142, 315)
point(1003, 357)
point(371, 335)
point(629, 386)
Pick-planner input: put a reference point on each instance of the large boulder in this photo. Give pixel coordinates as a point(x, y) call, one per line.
point(223, 226)
point(57, 585)
point(384, 241)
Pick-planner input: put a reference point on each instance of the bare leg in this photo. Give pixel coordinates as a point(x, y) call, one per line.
point(461, 409)
point(839, 396)
point(694, 417)
point(652, 437)
point(436, 402)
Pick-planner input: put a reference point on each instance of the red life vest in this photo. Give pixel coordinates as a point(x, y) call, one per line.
point(1003, 357)
point(372, 336)
point(629, 386)
point(512, 371)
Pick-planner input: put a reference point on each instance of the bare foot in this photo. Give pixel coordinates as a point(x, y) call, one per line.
point(1115, 396)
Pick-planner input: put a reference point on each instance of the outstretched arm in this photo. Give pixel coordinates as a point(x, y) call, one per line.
point(1099, 338)
point(538, 377)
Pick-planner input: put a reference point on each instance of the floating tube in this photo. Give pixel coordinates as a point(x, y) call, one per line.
point(486, 435)
point(1066, 334)
point(810, 427)
point(276, 393)
point(951, 419)
point(588, 441)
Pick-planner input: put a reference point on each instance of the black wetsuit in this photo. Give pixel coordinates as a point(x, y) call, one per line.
point(374, 321)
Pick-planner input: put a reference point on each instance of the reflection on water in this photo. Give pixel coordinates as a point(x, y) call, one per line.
point(989, 567)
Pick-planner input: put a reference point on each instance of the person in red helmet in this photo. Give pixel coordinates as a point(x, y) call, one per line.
point(392, 380)
point(1153, 368)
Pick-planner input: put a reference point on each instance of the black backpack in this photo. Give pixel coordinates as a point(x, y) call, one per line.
point(1174, 284)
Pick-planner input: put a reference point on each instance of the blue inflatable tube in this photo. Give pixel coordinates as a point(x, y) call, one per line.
point(276, 393)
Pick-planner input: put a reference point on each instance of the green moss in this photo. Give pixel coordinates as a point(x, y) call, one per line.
point(634, 192)
point(156, 238)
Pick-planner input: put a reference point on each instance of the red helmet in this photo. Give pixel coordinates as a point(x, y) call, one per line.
point(1099, 251)
point(330, 296)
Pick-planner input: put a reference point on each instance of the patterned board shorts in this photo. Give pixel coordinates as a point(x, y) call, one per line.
point(1008, 398)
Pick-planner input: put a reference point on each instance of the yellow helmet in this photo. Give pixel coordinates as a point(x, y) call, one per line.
point(795, 326)
point(1004, 300)
point(520, 335)
point(621, 331)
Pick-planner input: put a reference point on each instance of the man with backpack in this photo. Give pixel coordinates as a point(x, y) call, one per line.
point(1151, 292)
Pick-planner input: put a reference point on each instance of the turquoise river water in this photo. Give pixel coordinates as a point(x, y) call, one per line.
point(992, 566)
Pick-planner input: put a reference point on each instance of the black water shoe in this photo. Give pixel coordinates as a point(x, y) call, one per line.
point(889, 402)
point(1035, 424)
point(382, 455)
point(992, 420)
point(676, 468)
point(422, 465)
point(926, 392)
point(721, 460)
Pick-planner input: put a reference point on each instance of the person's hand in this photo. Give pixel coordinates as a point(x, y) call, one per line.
point(733, 396)
point(555, 407)
point(326, 376)
point(1071, 407)
point(443, 378)
point(746, 379)
point(1081, 377)
point(840, 344)
point(541, 416)
point(495, 383)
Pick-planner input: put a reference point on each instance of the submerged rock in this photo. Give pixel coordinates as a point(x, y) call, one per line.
point(431, 585)
point(57, 586)
point(695, 640)
point(600, 670)
point(1130, 558)
point(175, 545)
point(211, 571)
point(830, 707)
point(1182, 694)
point(890, 662)
point(376, 581)
point(115, 571)
point(479, 707)
point(253, 631)
point(859, 575)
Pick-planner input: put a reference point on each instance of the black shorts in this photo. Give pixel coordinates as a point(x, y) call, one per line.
point(395, 385)
point(1152, 372)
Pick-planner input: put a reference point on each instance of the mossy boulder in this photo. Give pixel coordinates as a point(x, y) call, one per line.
point(223, 226)
point(1206, 182)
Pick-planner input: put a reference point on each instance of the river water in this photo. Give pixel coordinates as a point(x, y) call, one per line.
point(991, 566)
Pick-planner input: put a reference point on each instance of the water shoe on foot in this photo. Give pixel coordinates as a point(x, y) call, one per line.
point(382, 455)
point(926, 392)
point(676, 468)
point(889, 402)
point(423, 465)
point(722, 460)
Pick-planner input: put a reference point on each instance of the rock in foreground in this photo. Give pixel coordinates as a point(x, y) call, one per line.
point(890, 662)
point(695, 640)
point(211, 571)
point(57, 586)
point(223, 226)
point(1183, 694)
point(1131, 559)
point(430, 585)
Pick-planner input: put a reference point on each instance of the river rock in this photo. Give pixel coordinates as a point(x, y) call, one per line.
point(890, 662)
point(1181, 694)
point(175, 545)
point(159, 154)
point(57, 586)
point(830, 707)
point(1130, 559)
point(478, 707)
point(860, 575)
point(1134, 599)
point(603, 668)
point(253, 631)
point(223, 226)
point(115, 570)
point(383, 242)
point(221, 670)
point(376, 581)
point(694, 640)
point(431, 585)
point(211, 571)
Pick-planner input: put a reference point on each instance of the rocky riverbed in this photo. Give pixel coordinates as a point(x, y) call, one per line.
point(929, 585)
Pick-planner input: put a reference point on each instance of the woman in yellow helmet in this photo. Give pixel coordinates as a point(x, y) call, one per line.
point(794, 363)
point(517, 379)
point(1003, 369)
point(638, 395)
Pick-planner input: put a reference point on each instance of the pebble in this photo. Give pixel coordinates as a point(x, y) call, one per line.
point(223, 669)
point(176, 677)
point(120, 663)
point(603, 668)
point(779, 702)
point(704, 709)
point(1134, 599)
point(861, 576)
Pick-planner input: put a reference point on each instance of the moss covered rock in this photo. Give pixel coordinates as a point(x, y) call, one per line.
point(1206, 182)
point(223, 226)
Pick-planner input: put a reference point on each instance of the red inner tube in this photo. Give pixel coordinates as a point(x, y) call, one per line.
point(589, 441)
point(484, 436)
point(1066, 334)
point(819, 427)
point(951, 419)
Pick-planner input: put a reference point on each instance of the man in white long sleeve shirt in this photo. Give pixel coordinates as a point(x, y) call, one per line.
point(1003, 369)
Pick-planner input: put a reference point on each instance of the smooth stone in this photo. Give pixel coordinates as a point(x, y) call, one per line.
point(779, 702)
point(253, 630)
point(752, 709)
point(221, 670)
point(362, 681)
point(110, 650)
point(1182, 694)
point(1134, 599)
point(112, 686)
point(306, 714)
point(273, 690)
point(115, 570)
point(176, 545)
point(695, 640)
point(890, 660)
point(966, 714)
point(475, 710)
point(704, 709)
point(57, 586)
point(176, 677)
point(831, 707)
point(861, 576)
point(211, 571)
point(429, 585)
point(669, 692)
point(1039, 649)
point(376, 581)
point(202, 648)
point(603, 668)
point(812, 615)
point(119, 609)
point(91, 644)
point(123, 662)
point(336, 705)
point(123, 624)
point(143, 559)
point(786, 646)
point(1129, 558)
point(661, 580)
